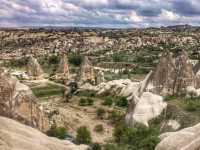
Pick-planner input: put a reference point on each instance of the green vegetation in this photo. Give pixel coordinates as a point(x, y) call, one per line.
point(100, 112)
point(86, 93)
point(75, 59)
point(59, 132)
point(17, 63)
point(192, 105)
point(108, 101)
point(138, 137)
point(99, 128)
point(83, 135)
point(95, 146)
point(115, 117)
point(48, 90)
point(121, 102)
point(86, 102)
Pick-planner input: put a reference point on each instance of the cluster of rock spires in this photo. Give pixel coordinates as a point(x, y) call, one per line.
point(86, 73)
point(18, 102)
point(173, 75)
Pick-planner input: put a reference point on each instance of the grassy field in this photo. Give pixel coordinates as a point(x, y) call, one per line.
point(48, 90)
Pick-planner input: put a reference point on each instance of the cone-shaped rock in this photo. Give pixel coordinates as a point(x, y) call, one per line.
point(86, 71)
point(63, 68)
point(34, 69)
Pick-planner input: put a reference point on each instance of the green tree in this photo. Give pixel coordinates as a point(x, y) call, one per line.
point(83, 135)
point(100, 113)
point(59, 132)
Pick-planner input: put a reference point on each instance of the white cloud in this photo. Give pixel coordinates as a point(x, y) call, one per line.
point(169, 15)
point(133, 17)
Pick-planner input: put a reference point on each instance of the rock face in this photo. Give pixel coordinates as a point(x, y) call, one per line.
point(63, 68)
point(18, 102)
point(173, 75)
point(122, 87)
point(34, 69)
point(16, 136)
point(86, 71)
point(149, 106)
point(143, 106)
point(185, 139)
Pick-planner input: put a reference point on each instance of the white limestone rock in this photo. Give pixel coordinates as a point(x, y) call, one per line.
point(149, 106)
point(173, 124)
point(185, 139)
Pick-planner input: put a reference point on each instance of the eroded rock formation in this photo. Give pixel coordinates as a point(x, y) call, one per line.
point(185, 139)
point(86, 71)
point(143, 105)
point(100, 77)
point(18, 102)
point(34, 69)
point(173, 75)
point(63, 68)
point(16, 136)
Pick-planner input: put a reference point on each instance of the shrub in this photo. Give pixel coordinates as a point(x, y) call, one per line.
point(86, 93)
point(83, 135)
point(99, 128)
point(138, 137)
point(75, 59)
point(122, 102)
point(82, 102)
point(53, 59)
point(95, 146)
point(100, 113)
point(90, 101)
point(86, 102)
point(59, 132)
point(108, 102)
point(115, 117)
point(192, 105)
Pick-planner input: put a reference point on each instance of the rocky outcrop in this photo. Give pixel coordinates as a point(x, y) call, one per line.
point(143, 106)
point(185, 139)
point(86, 71)
point(148, 107)
point(63, 67)
point(16, 136)
point(34, 69)
point(173, 75)
point(18, 102)
point(100, 77)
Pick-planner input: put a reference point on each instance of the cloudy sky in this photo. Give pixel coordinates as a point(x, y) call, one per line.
point(99, 13)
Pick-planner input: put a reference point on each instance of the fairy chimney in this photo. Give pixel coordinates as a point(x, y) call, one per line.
point(63, 68)
point(86, 71)
point(173, 75)
point(34, 69)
